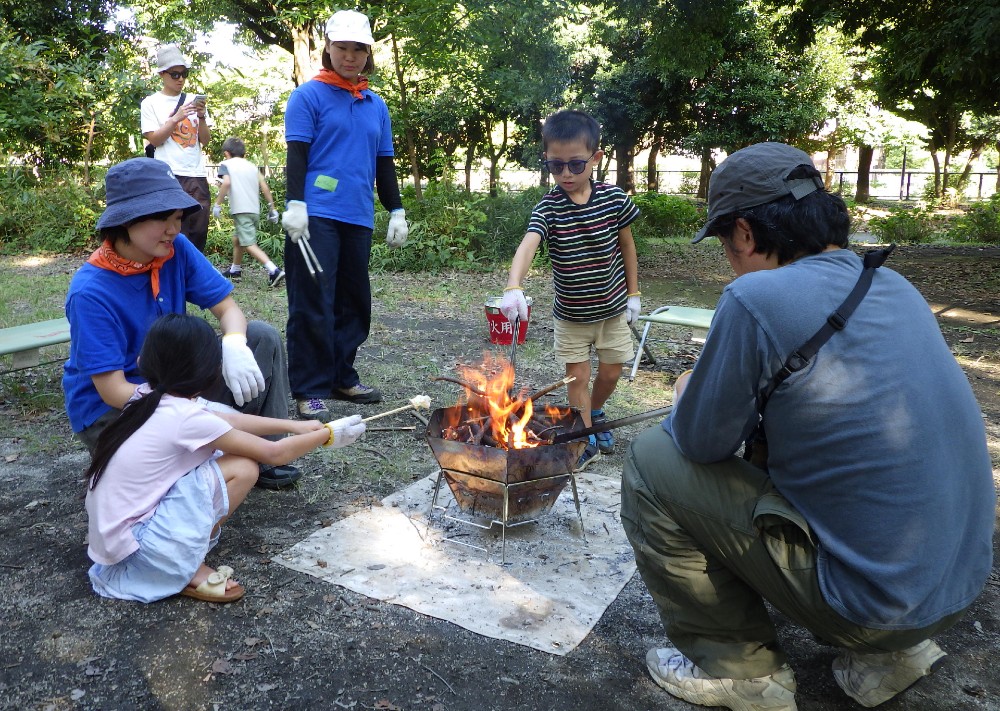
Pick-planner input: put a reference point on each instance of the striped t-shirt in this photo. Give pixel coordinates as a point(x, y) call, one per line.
point(587, 265)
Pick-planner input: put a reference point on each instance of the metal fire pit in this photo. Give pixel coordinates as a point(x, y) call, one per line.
point(506, 487)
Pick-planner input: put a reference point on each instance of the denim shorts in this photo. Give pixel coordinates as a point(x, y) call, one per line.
point(173, 542)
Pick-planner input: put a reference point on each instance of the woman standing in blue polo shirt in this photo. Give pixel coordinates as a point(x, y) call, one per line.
point(339, 140)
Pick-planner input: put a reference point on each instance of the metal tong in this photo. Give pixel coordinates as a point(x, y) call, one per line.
point(309, 256)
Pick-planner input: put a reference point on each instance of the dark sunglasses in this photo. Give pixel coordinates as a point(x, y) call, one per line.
point(177, 75)
point(575, 166)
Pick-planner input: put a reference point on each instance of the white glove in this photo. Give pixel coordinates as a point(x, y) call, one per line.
point(395, 235)
point(272, 215)
point(240, 370)
point(344, 431)
point(296, 220)
point(632, 309)
point(514, 305)
point(216, 210)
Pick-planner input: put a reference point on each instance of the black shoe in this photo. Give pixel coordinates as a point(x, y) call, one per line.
point(359, 394)
point(275, 278)
point(231, 273)
point(278, 477)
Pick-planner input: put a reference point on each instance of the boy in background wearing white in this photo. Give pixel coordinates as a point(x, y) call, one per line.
point(243, 183)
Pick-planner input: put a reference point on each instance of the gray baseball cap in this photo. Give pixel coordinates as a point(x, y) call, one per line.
point(756, 175)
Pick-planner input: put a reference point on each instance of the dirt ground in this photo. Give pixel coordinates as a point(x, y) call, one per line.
point(295, 642)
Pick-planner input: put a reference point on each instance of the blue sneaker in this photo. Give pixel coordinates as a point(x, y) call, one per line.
point(590, 454)
point(605, 440)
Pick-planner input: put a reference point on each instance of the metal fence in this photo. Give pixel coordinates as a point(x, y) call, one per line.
point(883, 184)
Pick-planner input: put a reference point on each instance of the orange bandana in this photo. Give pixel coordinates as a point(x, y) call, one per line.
point(328, 76)
point(106, 257)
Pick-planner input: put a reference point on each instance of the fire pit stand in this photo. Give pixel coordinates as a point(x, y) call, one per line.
point(507, 488)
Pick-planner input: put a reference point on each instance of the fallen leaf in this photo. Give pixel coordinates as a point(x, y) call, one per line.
point(321, 563)
point(77, 694)
point(386, 705)
point(252, 641)
point(266, 687)
point(11, 458)
point(221, 666)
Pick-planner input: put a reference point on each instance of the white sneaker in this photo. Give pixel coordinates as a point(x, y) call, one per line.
point(679, 676)
point(872, 679)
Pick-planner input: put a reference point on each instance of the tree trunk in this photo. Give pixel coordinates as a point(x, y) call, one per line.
point(937, 170)
point(997, 188)
point(706, 173)
point(89, 149)
point(652, 176)
point(470, 157)
point(302, 66)
point(404, 107)
point(495, 155)
point(625, 179)
point(863, 191)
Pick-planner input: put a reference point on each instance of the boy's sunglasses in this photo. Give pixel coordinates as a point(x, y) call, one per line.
point(575, 166)
point(177, 75)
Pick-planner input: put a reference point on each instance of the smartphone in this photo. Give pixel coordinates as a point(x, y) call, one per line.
point(200, 98)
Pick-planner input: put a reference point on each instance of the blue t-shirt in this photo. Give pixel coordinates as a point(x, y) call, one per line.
point(879, 443)
point(345, 136)
point(109, 315)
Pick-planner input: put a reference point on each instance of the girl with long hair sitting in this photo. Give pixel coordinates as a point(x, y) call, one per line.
point(167, 472)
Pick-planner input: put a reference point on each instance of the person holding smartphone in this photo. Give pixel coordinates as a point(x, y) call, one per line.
point(177, 125)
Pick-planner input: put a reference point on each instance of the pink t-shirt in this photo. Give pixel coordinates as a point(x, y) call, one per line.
point(175, 440)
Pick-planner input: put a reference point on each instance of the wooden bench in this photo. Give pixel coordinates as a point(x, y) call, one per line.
point(25, 342)
point(698, 320)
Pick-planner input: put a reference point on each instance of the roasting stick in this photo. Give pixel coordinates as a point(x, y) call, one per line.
point(550, 387)
point(420, 402)
point(468, 386)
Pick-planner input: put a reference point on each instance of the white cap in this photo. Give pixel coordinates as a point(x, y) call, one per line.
point(169, 55)
point(349, 26)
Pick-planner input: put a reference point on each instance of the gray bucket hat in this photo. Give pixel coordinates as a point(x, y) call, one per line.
point(756, 175)
point(139, 187)
point(169, 55)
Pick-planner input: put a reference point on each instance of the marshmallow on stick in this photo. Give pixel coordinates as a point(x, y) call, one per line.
point(420, 402)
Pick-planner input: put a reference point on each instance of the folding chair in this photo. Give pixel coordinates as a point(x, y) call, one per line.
point(698, 320)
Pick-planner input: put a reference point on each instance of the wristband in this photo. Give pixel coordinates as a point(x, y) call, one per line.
point(329, 442)
point(236, 333)
point(686, 372)
point(513, 288)
point(635, 293)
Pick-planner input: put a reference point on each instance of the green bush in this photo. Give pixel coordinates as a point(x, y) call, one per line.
point(453, 229)
point(981, 224)
point(904, 226)
point(663, 216)
point(57, 214)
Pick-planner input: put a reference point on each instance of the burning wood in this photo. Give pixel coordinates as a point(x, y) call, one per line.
point(491, 417)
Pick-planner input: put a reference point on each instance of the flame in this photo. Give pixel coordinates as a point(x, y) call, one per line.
point(508, 417)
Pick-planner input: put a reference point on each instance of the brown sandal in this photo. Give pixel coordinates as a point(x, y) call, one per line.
point(213, 589)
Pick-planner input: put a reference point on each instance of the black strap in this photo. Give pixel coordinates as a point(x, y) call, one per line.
point(180, 102)
point(835, 322)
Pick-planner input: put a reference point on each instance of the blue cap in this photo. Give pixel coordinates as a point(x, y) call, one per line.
point(140, 187)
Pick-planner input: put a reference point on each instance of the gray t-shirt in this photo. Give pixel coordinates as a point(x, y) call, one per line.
point(879, 443)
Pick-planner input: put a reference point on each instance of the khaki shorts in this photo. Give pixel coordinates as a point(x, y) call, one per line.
point(246, 228)
point(611, 338)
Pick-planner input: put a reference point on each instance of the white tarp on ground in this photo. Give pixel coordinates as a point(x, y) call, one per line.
point(552, 591)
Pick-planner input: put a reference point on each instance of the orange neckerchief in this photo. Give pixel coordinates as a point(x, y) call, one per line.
point(106, 257)
point(328, 76)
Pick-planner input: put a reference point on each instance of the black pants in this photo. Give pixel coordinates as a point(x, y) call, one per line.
point(195, 225)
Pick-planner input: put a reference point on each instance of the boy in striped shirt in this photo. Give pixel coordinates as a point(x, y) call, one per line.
point(594, 268)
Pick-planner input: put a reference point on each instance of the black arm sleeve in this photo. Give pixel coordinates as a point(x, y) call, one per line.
point(385, 183)
point(295, 170)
